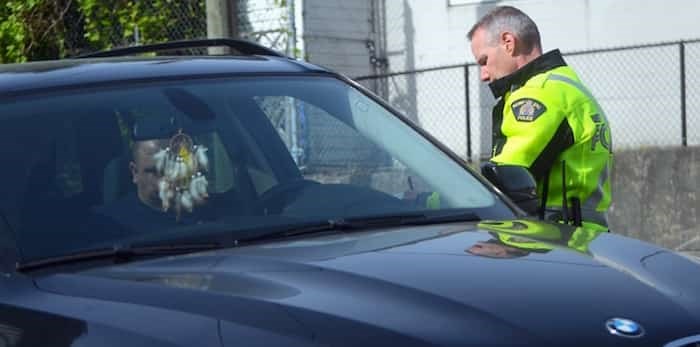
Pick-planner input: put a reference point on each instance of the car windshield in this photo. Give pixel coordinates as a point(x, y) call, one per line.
point(89, 166)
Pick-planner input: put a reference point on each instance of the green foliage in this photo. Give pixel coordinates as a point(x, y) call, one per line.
point(156, 20)
point(12, 29)
point(50, 29)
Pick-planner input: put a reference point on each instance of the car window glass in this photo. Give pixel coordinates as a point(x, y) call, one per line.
point(329, 151)
point(68, 176)
point(429, 163)
point(253, 161)
point(278, 150)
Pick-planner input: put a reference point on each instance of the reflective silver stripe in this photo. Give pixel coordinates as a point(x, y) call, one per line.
point(572, 82)
point(581, 88)
point(597, 195)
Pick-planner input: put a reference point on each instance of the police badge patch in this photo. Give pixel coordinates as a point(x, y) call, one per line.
point(527, 110)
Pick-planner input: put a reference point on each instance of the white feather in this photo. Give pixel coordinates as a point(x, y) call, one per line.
point(160, 158)
point(201, 185)
point(170, 192)
point(171, 169)
point(201, 155)
point(186, 201)
point(196, 196)
point(163, 188)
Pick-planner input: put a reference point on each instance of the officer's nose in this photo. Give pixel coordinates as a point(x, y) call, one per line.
point(484, 75)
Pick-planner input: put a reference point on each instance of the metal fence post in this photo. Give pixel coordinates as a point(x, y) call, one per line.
point(684, 124)
point(219, 23)
point(466, 109)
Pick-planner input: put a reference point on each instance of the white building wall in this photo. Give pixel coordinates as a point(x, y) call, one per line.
point(570, 25)
point(638, 89)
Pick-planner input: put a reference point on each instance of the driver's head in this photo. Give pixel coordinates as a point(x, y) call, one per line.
point(143, 171)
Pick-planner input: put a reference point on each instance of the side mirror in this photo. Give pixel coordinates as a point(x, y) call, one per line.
point(515, 182)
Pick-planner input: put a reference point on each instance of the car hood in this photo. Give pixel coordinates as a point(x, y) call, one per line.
point(495, 283)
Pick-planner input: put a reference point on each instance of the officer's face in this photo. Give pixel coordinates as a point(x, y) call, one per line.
point(144, 173)
point(495, 250)
point(495, 57)
point(492, 250)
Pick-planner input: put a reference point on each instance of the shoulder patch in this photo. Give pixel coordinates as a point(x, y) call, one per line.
point(527, 109)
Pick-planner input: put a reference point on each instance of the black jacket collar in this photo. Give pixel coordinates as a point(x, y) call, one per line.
point(543, 63)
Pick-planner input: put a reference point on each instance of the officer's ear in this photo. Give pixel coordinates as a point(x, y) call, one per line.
point(508, 40)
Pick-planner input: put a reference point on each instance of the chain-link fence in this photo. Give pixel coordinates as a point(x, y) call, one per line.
point(179, 20)
point(263, 21)
point(189, 20)
point(268, 22)
point(649, 94)
point(138, 22)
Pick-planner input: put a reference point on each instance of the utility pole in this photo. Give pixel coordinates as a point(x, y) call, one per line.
point(221, 22)
point(292, 34)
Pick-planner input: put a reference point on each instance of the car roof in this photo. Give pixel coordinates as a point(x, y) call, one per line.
point(55, 74)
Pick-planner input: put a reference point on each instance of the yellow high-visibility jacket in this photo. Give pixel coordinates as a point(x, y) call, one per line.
point(547, 121)
point(535, 236)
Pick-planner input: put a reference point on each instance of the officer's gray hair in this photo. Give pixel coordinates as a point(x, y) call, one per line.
point(511, 19)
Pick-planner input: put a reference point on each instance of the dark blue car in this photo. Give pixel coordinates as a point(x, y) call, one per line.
point(255, 200)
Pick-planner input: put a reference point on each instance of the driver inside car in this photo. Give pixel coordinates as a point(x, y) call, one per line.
point(169, 177)
point(144, 174)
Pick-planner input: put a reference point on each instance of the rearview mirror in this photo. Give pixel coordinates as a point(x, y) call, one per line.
point(515, 182)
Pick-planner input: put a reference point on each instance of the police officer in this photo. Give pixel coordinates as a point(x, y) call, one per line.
point(545, 119)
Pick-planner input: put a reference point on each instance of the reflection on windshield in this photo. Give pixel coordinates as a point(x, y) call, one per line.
point(239, 154)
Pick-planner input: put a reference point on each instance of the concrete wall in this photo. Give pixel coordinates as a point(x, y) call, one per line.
point(656, 196)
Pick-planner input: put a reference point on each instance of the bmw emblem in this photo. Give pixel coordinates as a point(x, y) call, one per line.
point(624, 327)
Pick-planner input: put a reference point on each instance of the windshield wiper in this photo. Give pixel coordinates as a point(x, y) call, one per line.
point(121, 253)
point(416, 218)
point(118, 254)
point(369, 222)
